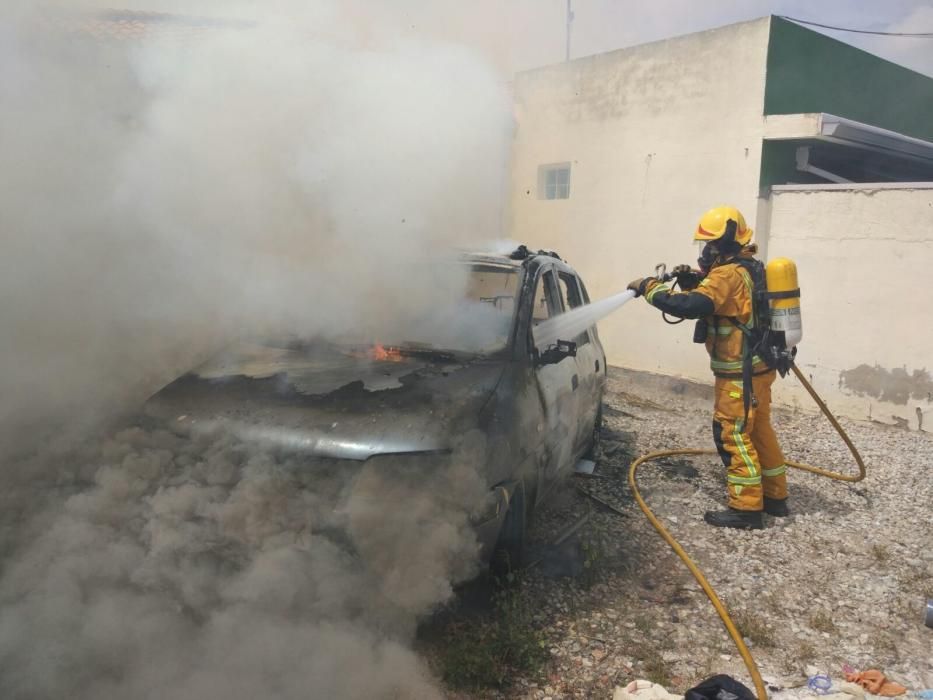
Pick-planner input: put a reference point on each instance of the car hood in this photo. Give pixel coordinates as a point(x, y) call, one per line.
point(330, 402)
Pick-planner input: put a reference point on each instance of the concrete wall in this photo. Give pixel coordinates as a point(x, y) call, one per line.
point(656, 135)
point(864, 255)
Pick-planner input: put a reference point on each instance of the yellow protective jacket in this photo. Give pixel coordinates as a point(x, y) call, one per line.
point(723, 295)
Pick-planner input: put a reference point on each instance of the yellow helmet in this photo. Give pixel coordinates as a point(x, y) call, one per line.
point(714, 224)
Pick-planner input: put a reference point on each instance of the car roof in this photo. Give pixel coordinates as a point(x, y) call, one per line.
point(490, 259)
point(536, 259)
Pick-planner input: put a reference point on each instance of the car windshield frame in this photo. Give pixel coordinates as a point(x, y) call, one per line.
point(507, 346)
point(518, 272)
point(415, 347)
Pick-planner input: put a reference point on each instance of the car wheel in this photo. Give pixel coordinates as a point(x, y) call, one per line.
point(510, 547)
point(593, 449)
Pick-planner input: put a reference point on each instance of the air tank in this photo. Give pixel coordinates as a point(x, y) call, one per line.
point(784, 294)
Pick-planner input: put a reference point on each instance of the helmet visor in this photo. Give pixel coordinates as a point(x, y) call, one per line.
point(707, 252)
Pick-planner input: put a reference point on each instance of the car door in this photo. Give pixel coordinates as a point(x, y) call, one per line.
point(590, 362)
point(557, 385)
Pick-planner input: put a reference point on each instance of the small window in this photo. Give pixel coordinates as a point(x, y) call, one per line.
point(554, 181)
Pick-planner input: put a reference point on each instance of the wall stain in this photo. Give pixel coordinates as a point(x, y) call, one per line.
point(891, 385)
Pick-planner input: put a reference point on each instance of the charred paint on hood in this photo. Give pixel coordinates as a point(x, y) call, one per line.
point(331, 402)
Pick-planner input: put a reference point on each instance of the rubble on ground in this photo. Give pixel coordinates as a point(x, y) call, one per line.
point(842, 581)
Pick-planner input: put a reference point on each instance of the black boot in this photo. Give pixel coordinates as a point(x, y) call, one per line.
point(739, 519)
point(776, 507)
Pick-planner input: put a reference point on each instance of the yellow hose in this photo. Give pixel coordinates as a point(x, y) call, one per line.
point(694, 569)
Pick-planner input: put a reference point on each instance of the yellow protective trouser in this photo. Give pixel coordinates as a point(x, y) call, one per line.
point(750, 452)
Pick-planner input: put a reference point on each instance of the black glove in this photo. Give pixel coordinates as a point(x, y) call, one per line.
point(640, 285)
point(687, 278)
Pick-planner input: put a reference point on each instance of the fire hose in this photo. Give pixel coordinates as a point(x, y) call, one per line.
point(691, 565)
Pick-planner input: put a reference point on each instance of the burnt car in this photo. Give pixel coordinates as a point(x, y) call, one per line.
point(528, 413)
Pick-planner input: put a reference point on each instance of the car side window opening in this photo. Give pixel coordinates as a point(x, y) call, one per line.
point(586, 300)
point(586, 296)
point(547, 303)
point(572, 298)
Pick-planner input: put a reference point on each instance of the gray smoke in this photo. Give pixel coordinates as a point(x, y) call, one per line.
point(164, 191)
point(201, 568)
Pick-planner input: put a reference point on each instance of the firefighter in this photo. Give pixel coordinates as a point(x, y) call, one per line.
point(720, 295)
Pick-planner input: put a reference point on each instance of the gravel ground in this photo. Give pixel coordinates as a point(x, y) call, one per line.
point(842, 581)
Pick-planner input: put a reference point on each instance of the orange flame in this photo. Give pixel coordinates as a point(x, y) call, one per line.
point(383, 354)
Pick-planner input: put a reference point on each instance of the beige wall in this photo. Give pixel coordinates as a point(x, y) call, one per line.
point(864, 255)
point(656, 135)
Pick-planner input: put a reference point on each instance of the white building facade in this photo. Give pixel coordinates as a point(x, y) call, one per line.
point(825, 149)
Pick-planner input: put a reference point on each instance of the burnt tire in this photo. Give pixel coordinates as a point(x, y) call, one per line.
point(593, 450)
point(509, 553)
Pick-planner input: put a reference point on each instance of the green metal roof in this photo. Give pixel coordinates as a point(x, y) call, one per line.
point(811, 72)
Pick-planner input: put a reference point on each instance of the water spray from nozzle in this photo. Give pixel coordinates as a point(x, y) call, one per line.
point(569, 325)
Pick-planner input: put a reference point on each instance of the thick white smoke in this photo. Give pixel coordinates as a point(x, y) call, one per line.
point(162, 192)
point(274, 171)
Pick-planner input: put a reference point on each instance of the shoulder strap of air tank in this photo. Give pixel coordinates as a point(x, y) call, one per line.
point(759, 291)
point(755, 270)
point(789, 294)
point(753, 265)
